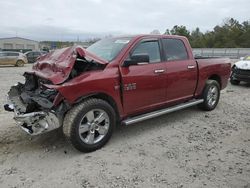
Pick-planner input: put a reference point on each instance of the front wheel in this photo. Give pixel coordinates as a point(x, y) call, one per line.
point(89, 125)
point(211, 95)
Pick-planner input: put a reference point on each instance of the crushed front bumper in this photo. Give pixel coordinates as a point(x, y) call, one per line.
point(33, 123)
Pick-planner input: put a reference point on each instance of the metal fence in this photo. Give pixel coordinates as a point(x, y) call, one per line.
point(234, 53)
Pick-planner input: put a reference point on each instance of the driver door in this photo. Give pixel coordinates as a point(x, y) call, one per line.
point(144, 84)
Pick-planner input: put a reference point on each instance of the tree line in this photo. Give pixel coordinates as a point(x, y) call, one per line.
point(231, 34)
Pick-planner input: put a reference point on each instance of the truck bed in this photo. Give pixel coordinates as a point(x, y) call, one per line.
point(221, 68)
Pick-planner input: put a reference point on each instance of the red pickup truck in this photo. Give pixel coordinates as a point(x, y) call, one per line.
point(120, 80)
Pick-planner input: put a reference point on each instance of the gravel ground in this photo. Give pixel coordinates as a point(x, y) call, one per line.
point(188, 148)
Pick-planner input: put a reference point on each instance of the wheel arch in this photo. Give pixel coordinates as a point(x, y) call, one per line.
point(104, 97)
point(215, 77)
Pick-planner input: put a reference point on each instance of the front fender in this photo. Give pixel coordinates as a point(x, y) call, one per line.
point(105, 81)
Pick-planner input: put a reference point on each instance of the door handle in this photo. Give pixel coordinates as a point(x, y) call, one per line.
point(157, 71)
point(190, 66)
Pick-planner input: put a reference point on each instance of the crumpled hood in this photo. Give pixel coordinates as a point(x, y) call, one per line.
point(243, 65)
point(56, 66)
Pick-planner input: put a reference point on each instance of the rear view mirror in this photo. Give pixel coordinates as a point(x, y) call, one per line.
point(136, 60)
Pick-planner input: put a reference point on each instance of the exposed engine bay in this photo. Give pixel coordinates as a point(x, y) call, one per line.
point(83, 65)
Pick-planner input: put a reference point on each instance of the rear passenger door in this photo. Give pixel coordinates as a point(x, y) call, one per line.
point(181, 70)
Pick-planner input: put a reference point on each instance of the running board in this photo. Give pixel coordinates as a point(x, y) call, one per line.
point(157, 113)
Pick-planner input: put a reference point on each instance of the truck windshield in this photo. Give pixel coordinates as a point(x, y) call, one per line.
point(108, 49)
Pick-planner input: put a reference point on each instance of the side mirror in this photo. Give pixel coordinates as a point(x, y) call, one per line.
point(242, 58)
point(137, 60)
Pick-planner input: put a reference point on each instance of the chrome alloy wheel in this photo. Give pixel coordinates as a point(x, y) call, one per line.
point(94, 126)
point(212, 95)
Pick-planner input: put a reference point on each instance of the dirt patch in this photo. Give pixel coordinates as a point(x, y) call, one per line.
point(189, 148)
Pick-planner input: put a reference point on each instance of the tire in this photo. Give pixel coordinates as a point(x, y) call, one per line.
point(19, 63)
point(234, 82)
point(89, 125)
point(211, 95)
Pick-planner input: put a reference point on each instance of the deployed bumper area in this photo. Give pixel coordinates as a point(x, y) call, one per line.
point(33, 107)
point(36, 123)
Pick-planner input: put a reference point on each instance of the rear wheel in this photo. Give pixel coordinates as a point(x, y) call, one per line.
point(19, 63)
point(89, 125)
point(211, 95)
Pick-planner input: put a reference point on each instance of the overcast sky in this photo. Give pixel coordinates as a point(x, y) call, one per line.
point(70, 19)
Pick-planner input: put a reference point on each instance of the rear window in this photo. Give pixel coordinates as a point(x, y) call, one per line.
point(174, 49)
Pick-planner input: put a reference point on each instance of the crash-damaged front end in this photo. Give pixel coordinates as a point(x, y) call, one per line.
point(38, 107)
point(35, 107)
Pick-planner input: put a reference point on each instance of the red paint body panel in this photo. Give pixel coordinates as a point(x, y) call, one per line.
point(181, 82)
point(209, 67)
point(175, 85)
point(56, 66)
point(101, 82)
point(150, 87)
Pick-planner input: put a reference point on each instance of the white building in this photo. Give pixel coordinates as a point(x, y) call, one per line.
point(18, 43)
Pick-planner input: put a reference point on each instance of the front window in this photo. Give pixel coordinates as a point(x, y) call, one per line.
point(108, 49)
point(150, 48)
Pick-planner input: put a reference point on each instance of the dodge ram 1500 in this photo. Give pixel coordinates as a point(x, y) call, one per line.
point(121, 80)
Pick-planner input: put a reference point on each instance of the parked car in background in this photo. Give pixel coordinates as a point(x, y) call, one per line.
point(12, 58)
point(33, 55)
point(241, 71)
